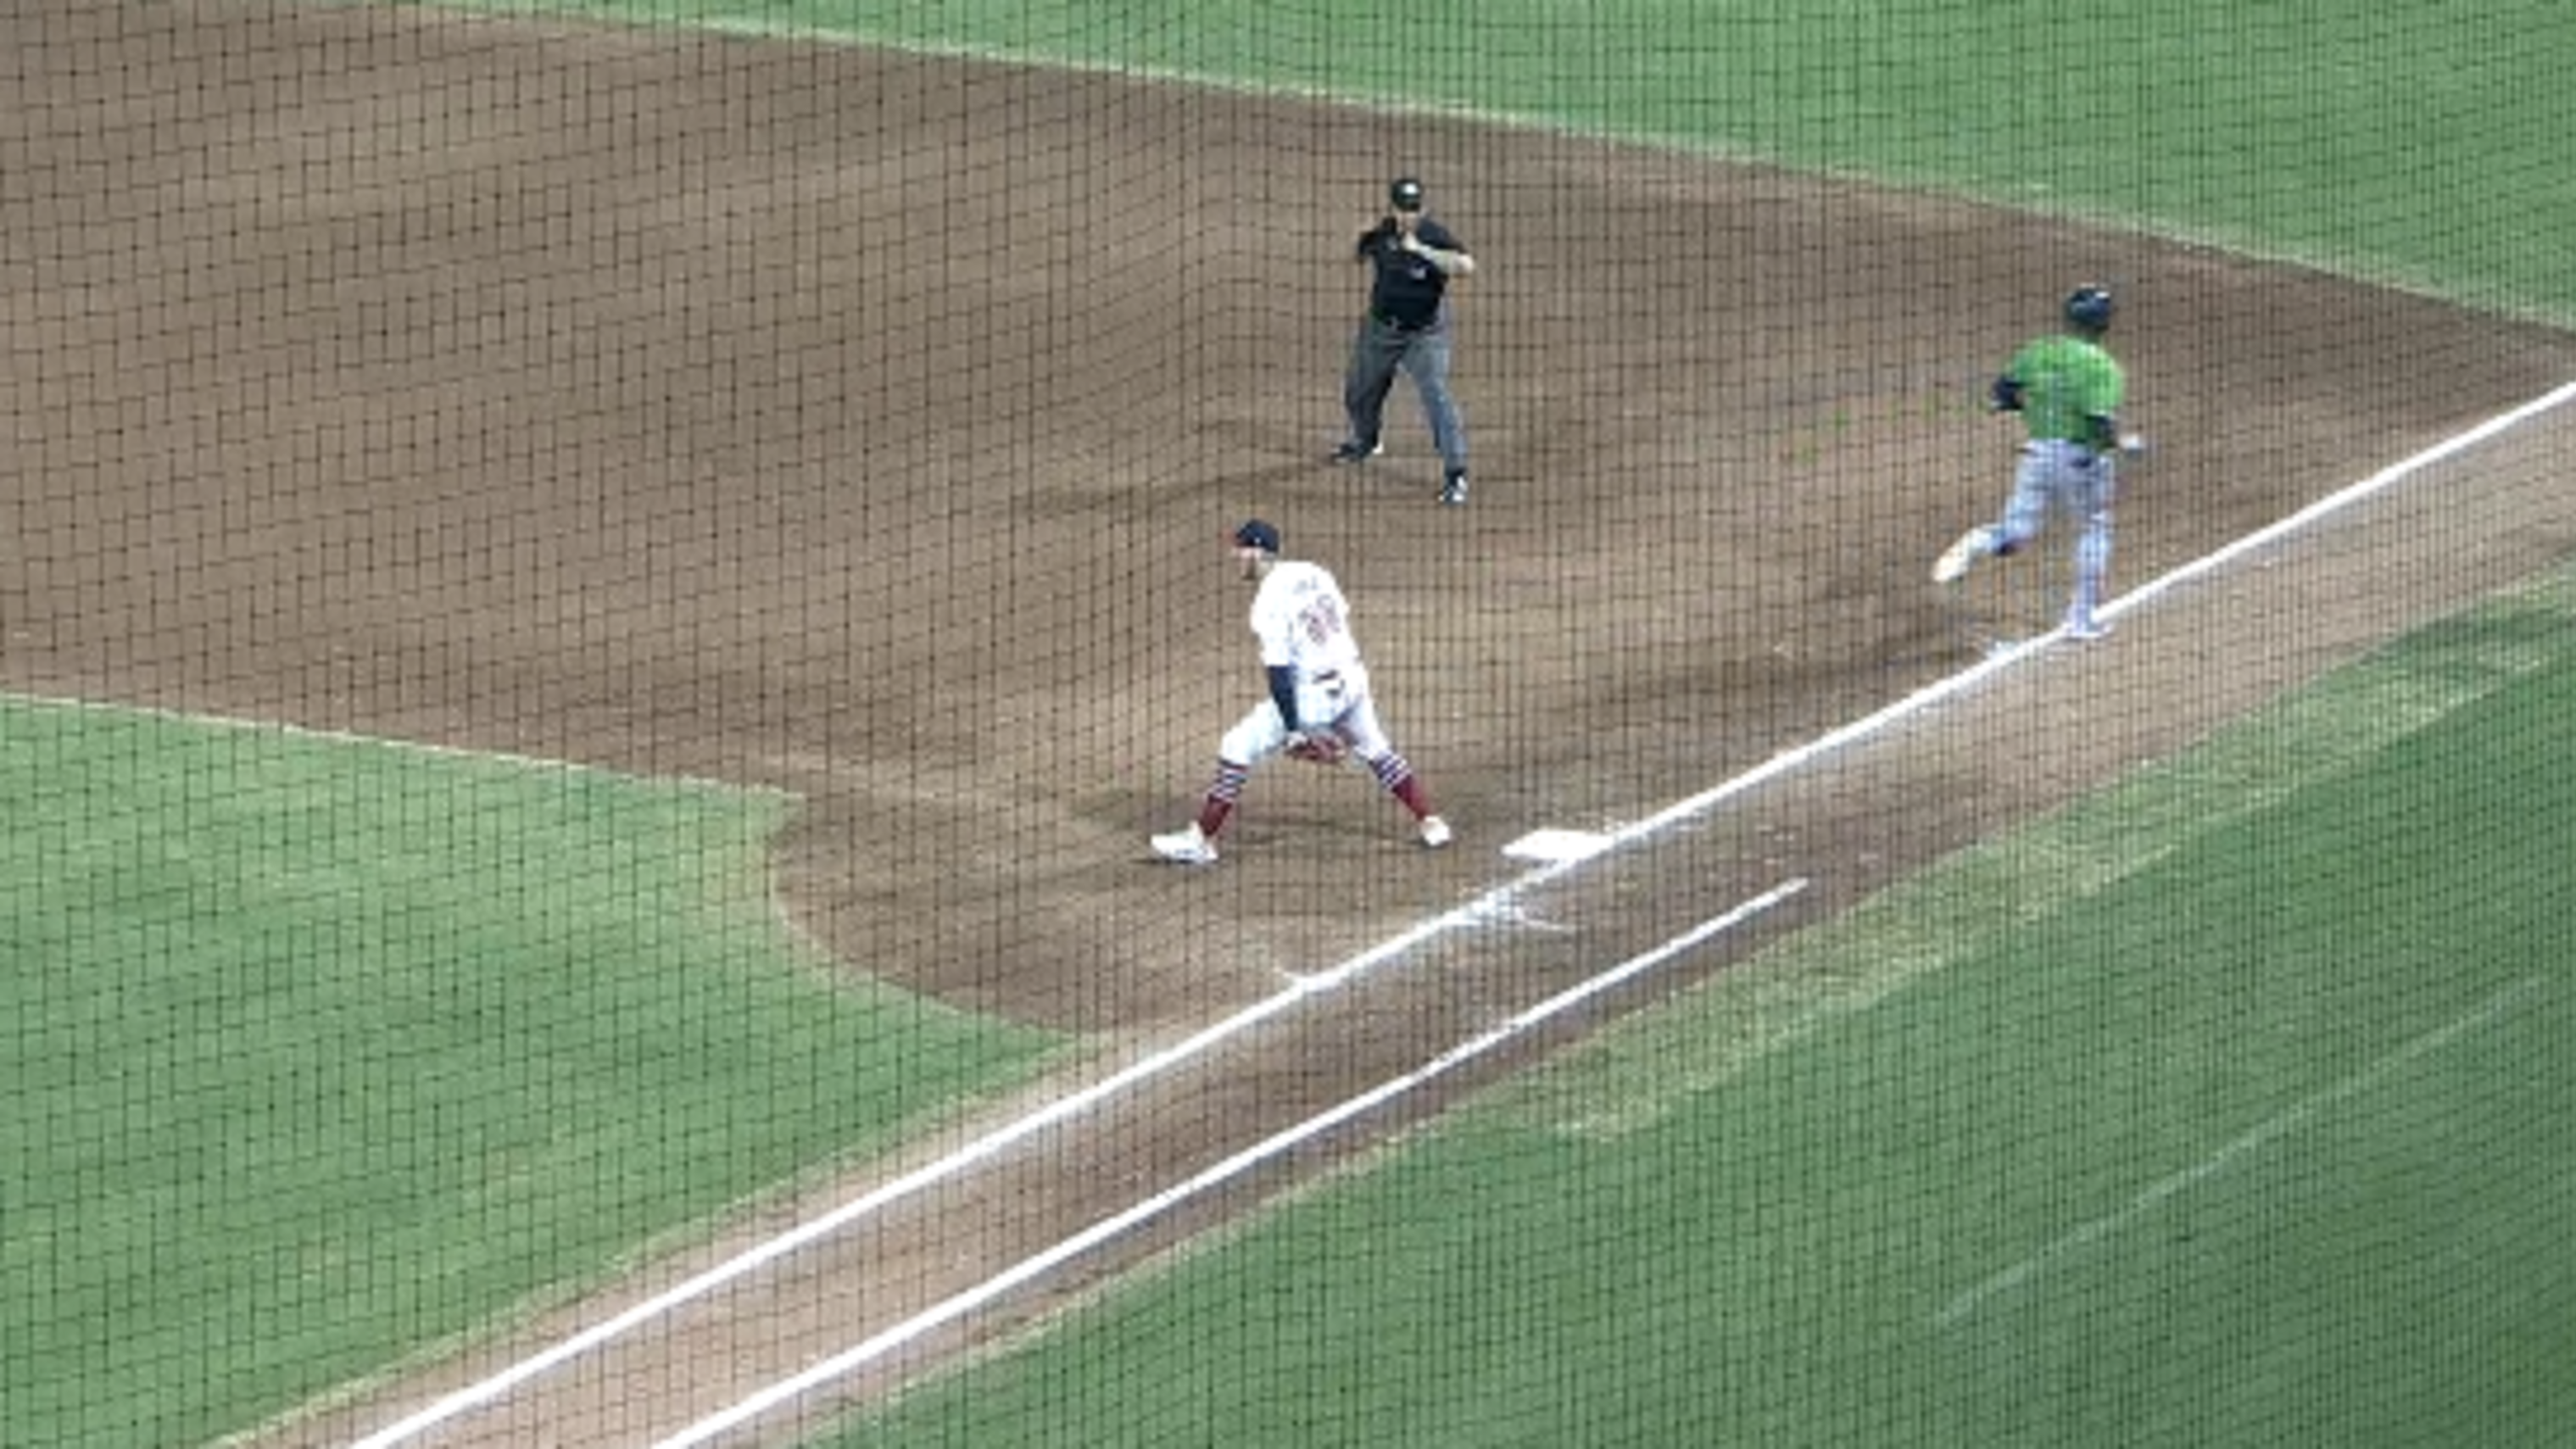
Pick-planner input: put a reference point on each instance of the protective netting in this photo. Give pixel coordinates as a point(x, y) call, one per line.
point(601, 610)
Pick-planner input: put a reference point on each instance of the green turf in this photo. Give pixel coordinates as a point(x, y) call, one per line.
point(2422, 145)
point(320, 1051)
point(2197, 1115)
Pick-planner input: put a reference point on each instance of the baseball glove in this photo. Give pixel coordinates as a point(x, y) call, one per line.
point(1317, 749)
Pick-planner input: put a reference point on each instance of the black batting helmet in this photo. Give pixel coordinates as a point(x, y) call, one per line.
point(2090, 306)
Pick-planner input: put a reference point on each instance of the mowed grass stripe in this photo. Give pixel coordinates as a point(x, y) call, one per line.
point(1638, 1069)
point(318, 1050)
point(2387, 1273)
point(2263, 1136)
point(2345, 928)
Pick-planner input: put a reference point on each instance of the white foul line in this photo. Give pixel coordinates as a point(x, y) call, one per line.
point(2332, 502)
point(957, 1306)
point(2280, 1125)
point(1496, 905)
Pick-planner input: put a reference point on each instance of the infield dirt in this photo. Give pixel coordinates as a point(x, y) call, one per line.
point(867, 427)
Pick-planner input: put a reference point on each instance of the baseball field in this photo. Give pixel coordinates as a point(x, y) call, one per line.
point(598, 602)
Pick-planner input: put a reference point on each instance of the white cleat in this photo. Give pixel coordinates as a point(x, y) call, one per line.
point(2085, 631)
point(1435, 832)
point(1186, 847)
point(1954, 563)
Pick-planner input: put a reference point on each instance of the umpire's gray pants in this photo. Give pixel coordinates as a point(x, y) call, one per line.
point(1380, 350)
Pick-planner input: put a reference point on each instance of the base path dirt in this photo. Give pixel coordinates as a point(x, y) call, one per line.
point(866, 427)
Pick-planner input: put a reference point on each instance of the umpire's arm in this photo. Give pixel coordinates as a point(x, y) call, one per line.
point(1453, 262)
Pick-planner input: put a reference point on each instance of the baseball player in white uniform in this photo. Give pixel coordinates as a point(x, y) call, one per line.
point(1319, 705)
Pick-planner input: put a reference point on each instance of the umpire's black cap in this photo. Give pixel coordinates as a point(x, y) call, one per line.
point(1256, 534)
point(1404, 194)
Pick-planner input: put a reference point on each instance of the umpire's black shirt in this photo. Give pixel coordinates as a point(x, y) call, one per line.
point(1407, 290)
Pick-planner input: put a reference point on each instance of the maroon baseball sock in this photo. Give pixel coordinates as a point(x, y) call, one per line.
point(1212, 814)
point(1221, 795)
point(1415, 798)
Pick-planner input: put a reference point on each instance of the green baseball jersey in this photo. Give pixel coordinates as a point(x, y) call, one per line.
point(2065, 381)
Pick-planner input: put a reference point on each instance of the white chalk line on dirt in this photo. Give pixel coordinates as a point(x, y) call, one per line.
point(2334, 502)
point(859, 1355)
point(2208, 563)
point(2272, 1129)
point(1499, 906)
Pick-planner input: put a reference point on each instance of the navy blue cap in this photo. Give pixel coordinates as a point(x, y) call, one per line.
point(2090, 306)
point(1257, 534)
point(1404, 194)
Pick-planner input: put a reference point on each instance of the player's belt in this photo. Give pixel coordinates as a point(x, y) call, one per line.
point(2085, 453)
point(1399, 324)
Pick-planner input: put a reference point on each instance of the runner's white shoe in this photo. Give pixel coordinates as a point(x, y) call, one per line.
point(1435, 832)
point(2085, 631)
point(1186, 847)
point(1954, 563)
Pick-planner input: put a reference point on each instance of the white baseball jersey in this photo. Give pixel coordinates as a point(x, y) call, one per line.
point(1302, 621)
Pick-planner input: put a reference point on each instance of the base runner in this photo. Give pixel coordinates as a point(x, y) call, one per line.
point(2067, 389)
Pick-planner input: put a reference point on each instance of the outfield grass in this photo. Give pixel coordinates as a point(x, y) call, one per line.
point(2417, 145)
point(320, 1051)
point(2225, 1108)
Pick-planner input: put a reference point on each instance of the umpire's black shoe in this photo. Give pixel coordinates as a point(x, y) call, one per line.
point(1352, 451)
point(1454, 492)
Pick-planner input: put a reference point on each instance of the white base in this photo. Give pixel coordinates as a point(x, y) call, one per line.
point(1557, 846)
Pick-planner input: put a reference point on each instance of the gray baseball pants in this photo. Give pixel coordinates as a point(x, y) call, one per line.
point(1380, 351)
point(2070, 479)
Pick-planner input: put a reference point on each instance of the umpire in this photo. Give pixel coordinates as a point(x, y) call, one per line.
point(1412, 260)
